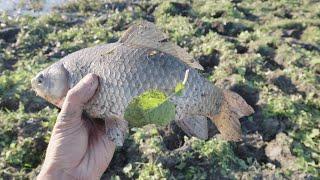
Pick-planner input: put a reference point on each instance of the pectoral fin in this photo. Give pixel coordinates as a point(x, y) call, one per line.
point(116, 129)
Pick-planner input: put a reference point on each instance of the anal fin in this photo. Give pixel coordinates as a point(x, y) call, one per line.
point(196, 126)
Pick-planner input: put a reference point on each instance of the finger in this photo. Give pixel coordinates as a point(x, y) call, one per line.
point(108, 149)
point(78, 96)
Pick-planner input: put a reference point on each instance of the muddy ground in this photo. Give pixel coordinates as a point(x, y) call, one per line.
point(267, 51)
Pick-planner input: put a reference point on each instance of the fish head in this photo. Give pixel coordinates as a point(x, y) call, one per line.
point(52, 83)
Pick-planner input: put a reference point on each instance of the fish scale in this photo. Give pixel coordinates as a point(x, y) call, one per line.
point(160, 71)
point(144, 60)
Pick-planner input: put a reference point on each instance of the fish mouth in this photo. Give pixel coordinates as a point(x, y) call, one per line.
point(36, 87)
point(39, 90)
point(43, 93)
point(33, 82)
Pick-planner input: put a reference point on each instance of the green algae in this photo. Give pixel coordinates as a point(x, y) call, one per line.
point(275, 36)
point(151, 107)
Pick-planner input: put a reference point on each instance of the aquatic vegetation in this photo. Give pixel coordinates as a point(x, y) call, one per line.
point(153, 106)
point(267, 51)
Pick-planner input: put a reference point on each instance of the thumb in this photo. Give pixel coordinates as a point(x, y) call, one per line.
point(77, 97)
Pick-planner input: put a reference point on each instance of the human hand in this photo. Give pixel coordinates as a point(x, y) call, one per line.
point(78, 149)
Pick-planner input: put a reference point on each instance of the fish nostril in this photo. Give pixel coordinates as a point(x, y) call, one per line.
point(40, 79)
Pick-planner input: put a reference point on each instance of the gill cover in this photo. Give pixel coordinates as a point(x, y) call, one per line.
point(52, 83)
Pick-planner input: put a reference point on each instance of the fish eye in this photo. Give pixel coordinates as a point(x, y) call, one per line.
point(40, 79)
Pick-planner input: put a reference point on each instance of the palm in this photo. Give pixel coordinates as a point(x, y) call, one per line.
point(78, 146)
point(79, 150)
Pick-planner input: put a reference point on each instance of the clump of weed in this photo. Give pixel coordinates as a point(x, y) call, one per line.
point(220, 154)
point(311, 35)
point(248, 44)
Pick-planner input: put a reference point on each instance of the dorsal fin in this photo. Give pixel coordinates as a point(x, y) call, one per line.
point(146, 34)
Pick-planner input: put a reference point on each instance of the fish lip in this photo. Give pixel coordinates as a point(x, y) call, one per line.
point(32, 82)
point(41, 91)
point(34, 85)
point(41, 94)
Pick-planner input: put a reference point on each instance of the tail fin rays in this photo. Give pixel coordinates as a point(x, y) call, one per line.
point(233, 107)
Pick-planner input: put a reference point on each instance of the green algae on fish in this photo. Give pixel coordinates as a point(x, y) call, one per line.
point(150, 107)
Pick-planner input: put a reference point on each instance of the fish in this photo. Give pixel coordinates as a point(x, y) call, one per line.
point(144, 59)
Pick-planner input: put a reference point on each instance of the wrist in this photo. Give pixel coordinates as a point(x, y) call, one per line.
point(60, 174)
point(53, 174)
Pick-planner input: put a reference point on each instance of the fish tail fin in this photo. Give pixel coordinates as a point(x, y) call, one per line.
point(233, 107)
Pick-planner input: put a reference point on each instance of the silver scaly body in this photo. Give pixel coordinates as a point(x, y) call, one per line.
point(127, 71)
